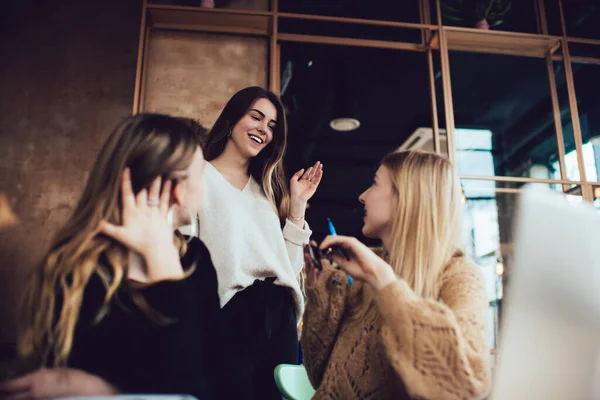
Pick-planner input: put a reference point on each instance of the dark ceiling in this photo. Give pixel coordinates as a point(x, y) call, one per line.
point(388, 91)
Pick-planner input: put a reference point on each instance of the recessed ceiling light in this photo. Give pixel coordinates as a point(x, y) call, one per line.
point(344, 124)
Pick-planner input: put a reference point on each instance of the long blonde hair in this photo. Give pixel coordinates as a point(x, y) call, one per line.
point(426, 224)
point(150, 145)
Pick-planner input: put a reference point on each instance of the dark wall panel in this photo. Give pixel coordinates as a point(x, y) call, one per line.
point(68, 72)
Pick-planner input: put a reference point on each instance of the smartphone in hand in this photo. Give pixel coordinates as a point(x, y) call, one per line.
point(315, 255)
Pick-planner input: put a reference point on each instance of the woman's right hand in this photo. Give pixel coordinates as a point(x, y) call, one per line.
point(145, 229)
point(362, 263)
point(311, 270)
point(54, 383)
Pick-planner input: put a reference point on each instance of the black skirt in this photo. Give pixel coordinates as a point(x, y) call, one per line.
point(258, 331)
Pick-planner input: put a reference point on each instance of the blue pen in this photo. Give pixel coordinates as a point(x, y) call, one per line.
point(338, 250)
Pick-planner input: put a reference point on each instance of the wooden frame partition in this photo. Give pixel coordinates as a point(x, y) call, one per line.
point(436, 40)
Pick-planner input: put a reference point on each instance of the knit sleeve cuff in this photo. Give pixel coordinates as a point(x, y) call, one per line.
point(296, 235)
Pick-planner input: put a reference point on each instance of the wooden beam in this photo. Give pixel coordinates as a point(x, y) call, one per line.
point(140, 59)
point(291, 37)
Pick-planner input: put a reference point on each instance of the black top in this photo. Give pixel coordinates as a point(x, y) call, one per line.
point(138, 355)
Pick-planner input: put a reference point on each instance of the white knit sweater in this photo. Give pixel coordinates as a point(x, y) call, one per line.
point(242, 232)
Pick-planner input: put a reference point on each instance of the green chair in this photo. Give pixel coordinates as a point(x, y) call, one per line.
point(292, 382)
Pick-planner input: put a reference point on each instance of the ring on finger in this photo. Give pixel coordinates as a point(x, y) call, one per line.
point(153, 202)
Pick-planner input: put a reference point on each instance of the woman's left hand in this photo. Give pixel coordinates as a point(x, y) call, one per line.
point(144, 217)
point(303, 185)
point(55, 383)
point(362, 262)
point(145, 230)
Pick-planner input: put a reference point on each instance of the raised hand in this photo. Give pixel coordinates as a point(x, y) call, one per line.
point(303, 185)
point(145, 229)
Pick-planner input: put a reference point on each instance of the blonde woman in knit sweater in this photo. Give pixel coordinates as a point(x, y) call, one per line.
point(413, 326)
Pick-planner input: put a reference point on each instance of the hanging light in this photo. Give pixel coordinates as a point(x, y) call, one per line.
point(345, 104)
point(344, 124)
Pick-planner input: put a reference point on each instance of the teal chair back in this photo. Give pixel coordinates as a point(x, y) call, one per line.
point(292, 382)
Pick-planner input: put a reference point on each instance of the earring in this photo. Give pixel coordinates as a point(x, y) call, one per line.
point(192, 230)
point(194, 225)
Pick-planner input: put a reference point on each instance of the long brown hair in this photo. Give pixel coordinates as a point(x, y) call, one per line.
point(267, 167)
point(150, 145)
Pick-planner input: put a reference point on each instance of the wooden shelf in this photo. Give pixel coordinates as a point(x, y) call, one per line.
point(209, 10)
point(209, 20)
point(497, 42)
point(357, 21)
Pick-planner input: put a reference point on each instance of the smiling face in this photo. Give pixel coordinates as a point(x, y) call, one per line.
point(254, 131)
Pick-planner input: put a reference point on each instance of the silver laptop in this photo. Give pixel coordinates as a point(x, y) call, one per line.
point(550, 336)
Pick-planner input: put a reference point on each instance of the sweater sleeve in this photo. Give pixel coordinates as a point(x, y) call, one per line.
point(172, 298)
point(321, 322)
point(126, 346)
point(294, 239)
point(438, 348)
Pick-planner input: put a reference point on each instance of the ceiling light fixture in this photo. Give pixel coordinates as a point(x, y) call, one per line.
point(344, 124)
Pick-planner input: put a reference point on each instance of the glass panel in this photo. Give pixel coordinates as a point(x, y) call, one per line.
point(505, 15)
point(587, 86)
point(553, 17)
point(581, 18)
point(488, 216)
point(386, 91)
point(485, 214)
point(503, 114)
point(258, 5)
point(401, 11)
point(346, 30)
point(584, 50)
point(433, 12)
point(474, 151)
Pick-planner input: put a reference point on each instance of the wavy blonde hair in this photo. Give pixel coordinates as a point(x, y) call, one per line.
point(150, 145)
point(426, 223)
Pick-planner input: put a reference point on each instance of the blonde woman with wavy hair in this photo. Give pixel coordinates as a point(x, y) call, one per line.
point(121, 302)
point(414, 324)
